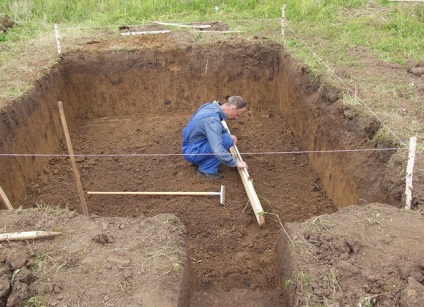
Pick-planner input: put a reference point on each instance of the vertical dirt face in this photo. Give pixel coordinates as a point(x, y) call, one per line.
point(29, 126)
point(320, 122)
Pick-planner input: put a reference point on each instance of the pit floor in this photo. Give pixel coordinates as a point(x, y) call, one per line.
point(228, 249)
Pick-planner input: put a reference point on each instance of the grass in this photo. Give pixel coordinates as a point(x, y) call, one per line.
point(320, 33)
point(40, 262)
point(398, 26)
point(34, 301)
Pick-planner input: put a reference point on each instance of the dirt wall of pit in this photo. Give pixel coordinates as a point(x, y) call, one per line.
point(30, 125)
point(95, 82)
point(321, 122)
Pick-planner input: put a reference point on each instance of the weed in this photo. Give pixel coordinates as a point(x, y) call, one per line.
point(333, 281)
point(304, 278)
point(288, 283)
point(177, 267)
point(15, 272)
point(61, 266)
point(366, 302)
point(49, 209)
point(373, 220)
point(383, 138)
point(40, 263)
point(351, 100)
point(304, 289)
point(35, 301)
point(164, 262)
point(322, 224)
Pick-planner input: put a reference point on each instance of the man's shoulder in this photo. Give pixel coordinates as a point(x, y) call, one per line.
point(210, 108)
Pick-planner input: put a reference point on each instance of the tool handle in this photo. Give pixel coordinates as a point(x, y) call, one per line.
point(236, 151)
point(153, 193)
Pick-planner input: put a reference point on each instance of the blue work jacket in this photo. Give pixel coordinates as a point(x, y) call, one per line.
point(205, 126)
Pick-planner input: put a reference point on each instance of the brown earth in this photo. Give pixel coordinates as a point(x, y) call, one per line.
point(190, 250)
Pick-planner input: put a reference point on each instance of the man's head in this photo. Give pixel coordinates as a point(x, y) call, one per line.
point(234, 107)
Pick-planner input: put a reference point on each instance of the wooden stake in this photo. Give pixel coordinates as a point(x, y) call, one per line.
point(27, 235)
point(283, 20)
point(248, 185)
point(410, 171)
point(72, 157)
point(5, 199)
point(57, 34)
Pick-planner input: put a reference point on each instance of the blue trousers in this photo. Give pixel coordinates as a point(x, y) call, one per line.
point(206, 163)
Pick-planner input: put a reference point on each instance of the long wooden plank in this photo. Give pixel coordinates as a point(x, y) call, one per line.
point(248, 185)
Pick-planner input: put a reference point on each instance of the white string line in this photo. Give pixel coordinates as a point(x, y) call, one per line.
point(204, 154)
point(347, 87)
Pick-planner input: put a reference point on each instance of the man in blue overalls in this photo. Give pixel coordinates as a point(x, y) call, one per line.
point(205, 134)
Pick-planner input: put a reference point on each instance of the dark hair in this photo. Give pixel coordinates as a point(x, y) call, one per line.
point(237, 101)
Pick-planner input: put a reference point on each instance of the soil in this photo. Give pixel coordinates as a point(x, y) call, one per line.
point(157, 250)
point(359, 256)
point(212, 230)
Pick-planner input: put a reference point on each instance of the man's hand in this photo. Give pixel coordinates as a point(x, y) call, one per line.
point(242, 164)
point(234, 139)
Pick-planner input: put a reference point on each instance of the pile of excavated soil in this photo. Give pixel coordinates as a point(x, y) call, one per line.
point(95, 261)
point(361, 256)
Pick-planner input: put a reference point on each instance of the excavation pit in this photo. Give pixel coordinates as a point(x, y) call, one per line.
point(126, 108)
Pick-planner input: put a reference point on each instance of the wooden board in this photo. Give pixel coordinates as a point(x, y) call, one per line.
point(248, 185)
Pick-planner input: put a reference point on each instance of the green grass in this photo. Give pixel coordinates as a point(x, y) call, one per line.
point(393, 30)
point(321, 33)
